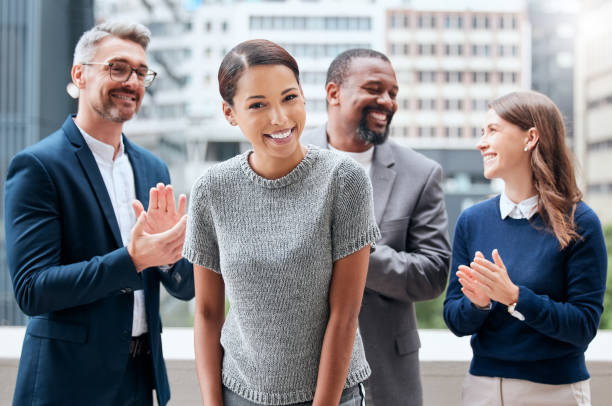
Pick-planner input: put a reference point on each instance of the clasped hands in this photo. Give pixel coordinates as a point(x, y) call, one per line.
point(484, 281)
point(159, 233)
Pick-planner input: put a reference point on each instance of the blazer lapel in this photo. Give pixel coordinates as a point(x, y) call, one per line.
point(140, 174)
point(382, 176)
point(90, 167)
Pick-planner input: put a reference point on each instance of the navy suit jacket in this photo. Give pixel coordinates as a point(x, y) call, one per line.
point(73, 276)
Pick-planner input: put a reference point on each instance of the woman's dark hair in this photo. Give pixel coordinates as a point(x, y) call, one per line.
point(251, 53)
point(551, 163)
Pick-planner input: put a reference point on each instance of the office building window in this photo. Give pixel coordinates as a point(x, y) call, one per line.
point(406, 21)
point(313, 77)
point(160, 29)
point(393, 20)
point(402, 48)
point(480, 22)
point(453, 49)
point(320, 50)
point(453, 132)
point(481, 50)
point(508, 77)
point(427, 49)
point(426, 131)
point(453, 77)
point(334, 23)
point(426, 21)
point(508, 22)
point(480, 104)
point(506, 51)
point(426, 76)
point(476, 132)
point(426, 104)
point(453, 22)
point(481, 77)
point(453, 104)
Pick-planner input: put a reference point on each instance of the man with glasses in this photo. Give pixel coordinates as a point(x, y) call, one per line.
point(85, 258)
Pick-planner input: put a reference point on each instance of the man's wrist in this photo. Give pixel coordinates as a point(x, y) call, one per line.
point(139, 267)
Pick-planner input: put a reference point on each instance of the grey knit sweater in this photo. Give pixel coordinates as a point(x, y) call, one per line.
point(274, 242)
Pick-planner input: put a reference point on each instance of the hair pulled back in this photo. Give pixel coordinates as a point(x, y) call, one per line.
point(251, 53)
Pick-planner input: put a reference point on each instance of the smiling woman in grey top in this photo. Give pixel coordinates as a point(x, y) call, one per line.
point(286, 232)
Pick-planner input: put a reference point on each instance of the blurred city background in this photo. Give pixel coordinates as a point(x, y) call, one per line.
point(451, 57)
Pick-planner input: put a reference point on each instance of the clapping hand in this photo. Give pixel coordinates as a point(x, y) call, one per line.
point(161, 214)
point(494, 279)
point(470, 285)
point(159, 233)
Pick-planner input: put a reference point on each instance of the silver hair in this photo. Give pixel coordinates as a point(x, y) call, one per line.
point(85, 49)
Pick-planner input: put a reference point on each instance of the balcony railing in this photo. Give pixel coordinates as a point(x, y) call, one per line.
point(444, 362)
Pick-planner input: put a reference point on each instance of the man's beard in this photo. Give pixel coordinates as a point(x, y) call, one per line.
point(110, 111)
point(370, 136)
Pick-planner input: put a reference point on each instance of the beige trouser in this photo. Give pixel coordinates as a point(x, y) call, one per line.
point(487, 391)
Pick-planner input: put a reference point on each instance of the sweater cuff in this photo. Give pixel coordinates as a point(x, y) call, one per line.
point(528, 303)
point(474, 311)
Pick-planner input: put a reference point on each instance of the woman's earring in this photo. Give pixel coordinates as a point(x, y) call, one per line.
point(526, 148)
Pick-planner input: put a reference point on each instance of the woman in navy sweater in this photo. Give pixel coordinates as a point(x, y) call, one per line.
point(530, 265)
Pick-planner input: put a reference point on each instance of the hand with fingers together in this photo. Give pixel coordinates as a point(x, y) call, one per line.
point(471, 287)
point(494, 279)
point(162, 213)
point(157, 237)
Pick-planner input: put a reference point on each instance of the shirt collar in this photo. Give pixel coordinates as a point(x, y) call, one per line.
point(523, 210)
point(364, 158)
point(102, 150)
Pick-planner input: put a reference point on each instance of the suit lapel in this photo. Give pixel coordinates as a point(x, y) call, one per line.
point(140, 174)
point(382, 176)
point(90, 167)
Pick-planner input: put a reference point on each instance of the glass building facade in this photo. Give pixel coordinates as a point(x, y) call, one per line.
point(37, 38)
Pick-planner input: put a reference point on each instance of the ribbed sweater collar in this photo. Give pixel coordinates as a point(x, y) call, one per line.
point(298, 173)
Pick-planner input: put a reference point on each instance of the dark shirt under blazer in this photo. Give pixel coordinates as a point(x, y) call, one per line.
point(73, 276)
point(410, 264)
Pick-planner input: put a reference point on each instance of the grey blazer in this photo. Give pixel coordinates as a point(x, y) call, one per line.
point(411, 263)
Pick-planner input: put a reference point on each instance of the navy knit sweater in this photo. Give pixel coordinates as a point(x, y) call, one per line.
point(560, 294)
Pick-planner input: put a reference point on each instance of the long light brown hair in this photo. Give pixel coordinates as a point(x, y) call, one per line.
point(551, 162)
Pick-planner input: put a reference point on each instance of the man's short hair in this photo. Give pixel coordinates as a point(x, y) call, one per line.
point(340, 65)
point(85, 49)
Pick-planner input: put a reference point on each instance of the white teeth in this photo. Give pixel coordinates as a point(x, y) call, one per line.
point(123, 97)
point(278, 136)
point(378, 116)
point(488, 158)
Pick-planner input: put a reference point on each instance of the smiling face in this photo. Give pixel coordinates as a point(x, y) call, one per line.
point(368, 98)
point(104, 97)
point(269, 109)
point(502, 146)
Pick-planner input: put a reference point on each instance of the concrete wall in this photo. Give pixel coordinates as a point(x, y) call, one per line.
point(444, 363)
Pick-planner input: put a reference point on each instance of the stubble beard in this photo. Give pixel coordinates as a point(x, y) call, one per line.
point(368, 135)
point(109, 111)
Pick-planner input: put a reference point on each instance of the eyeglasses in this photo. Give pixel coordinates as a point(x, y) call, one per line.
point(122, 71)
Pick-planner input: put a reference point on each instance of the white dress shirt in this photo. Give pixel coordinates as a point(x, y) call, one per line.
point(119, 180)
point(363, 158)
point(521, 210)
